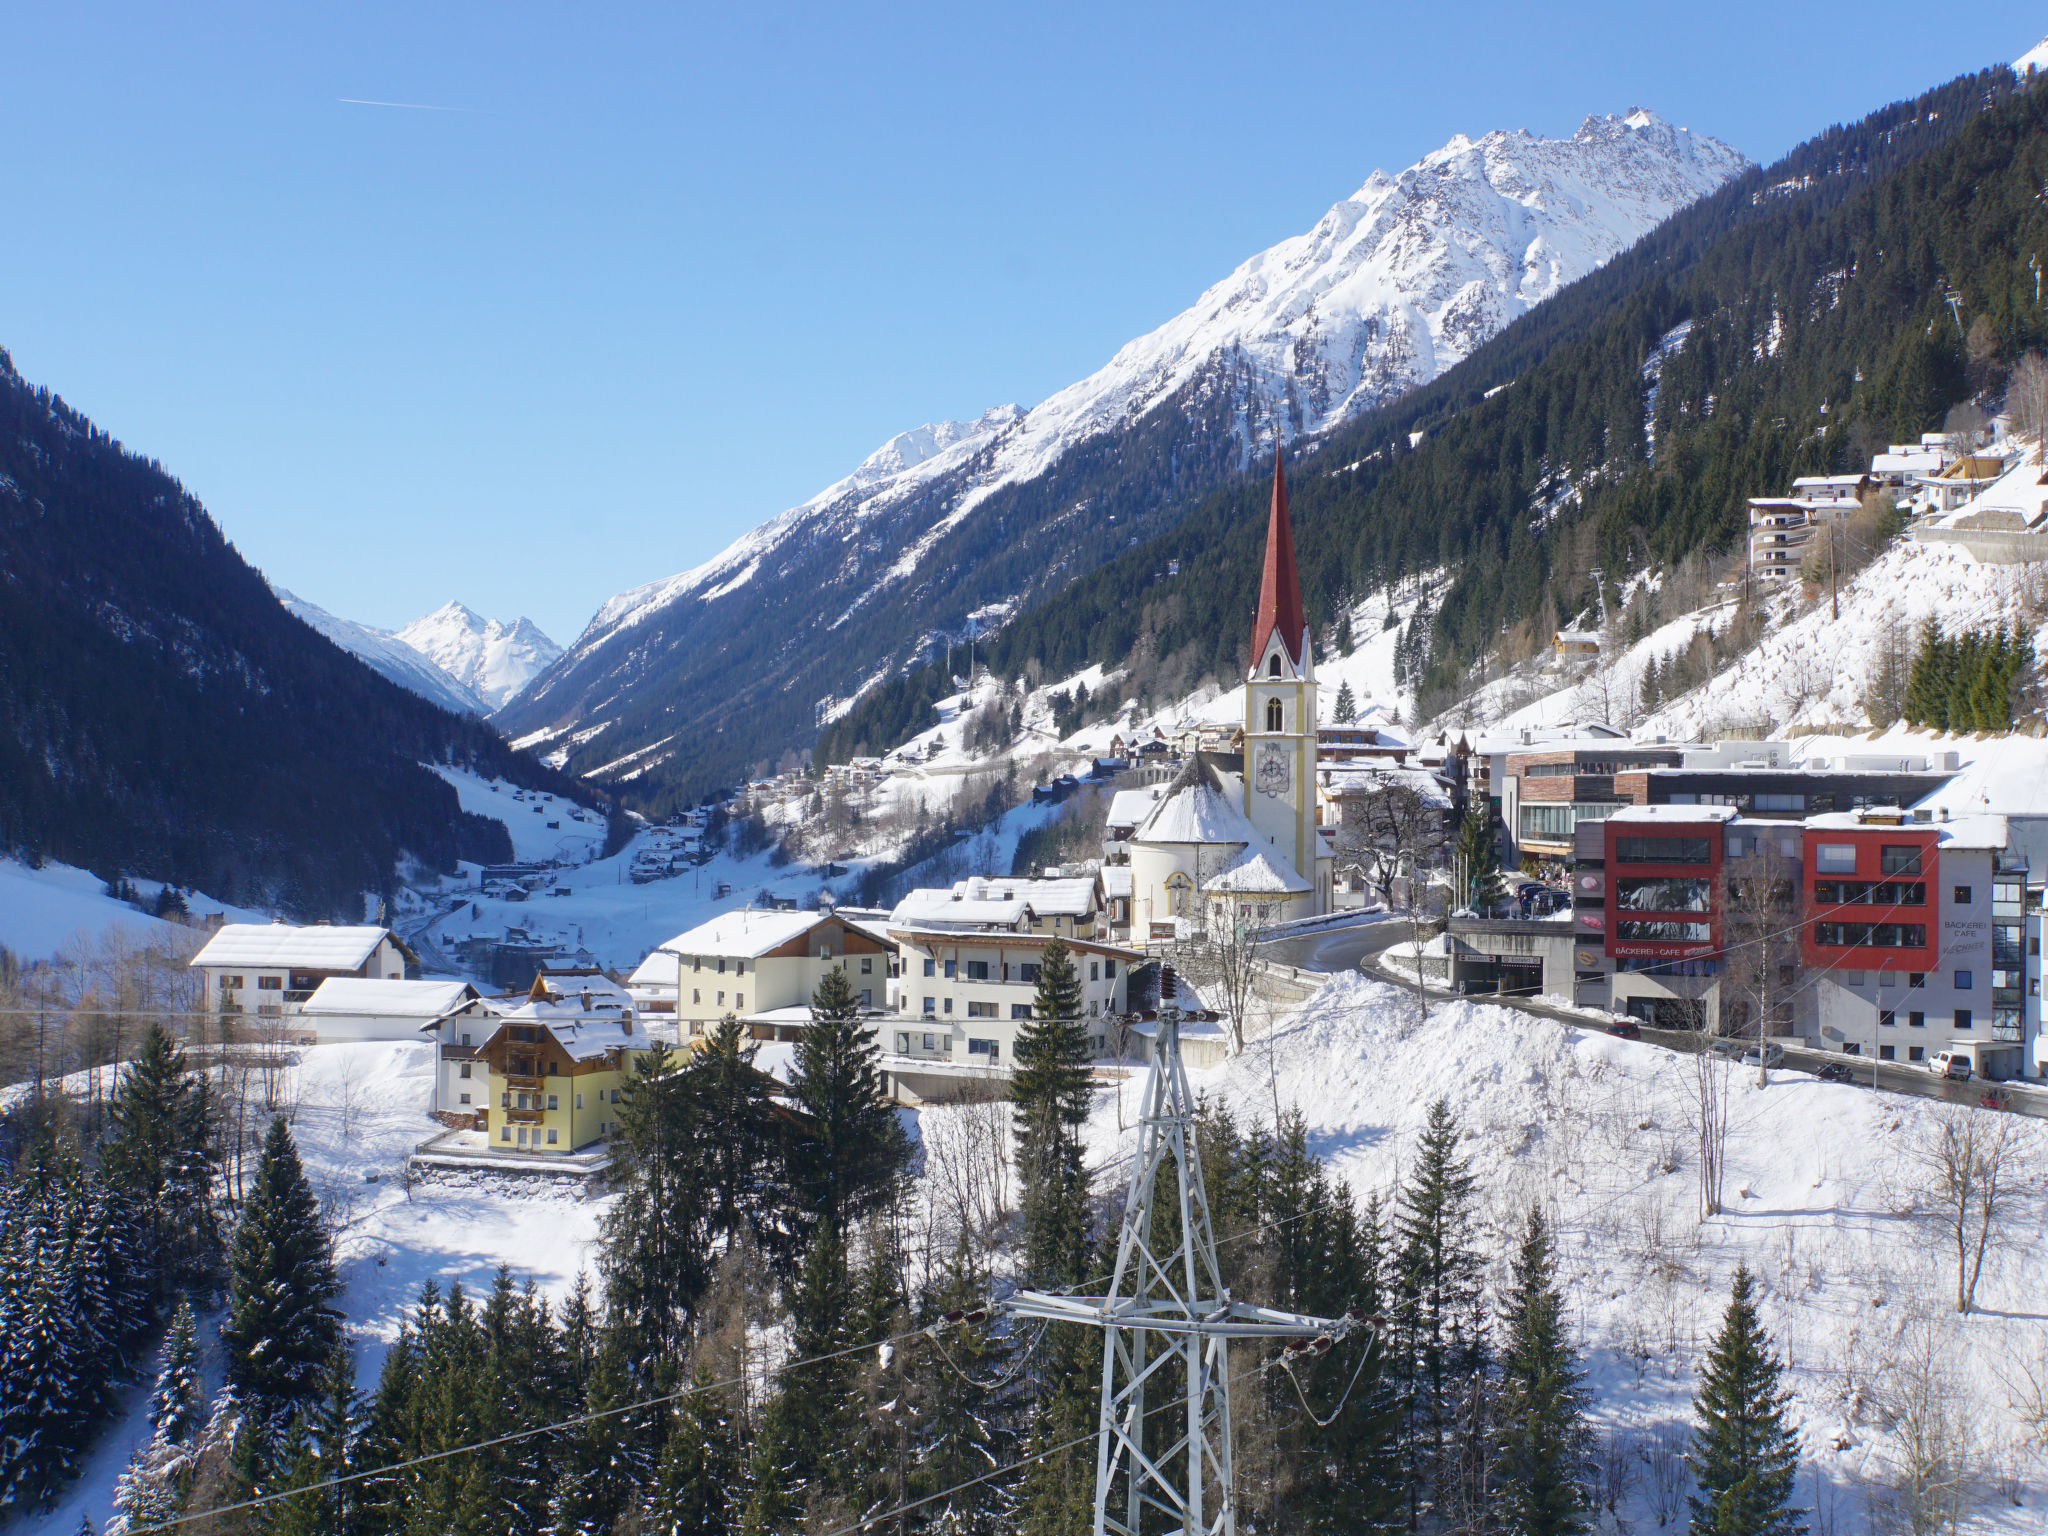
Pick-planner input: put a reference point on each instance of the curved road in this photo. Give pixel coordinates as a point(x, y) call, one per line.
point(1360, 948)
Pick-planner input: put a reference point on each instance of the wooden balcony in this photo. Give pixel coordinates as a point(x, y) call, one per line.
point(523, 1116)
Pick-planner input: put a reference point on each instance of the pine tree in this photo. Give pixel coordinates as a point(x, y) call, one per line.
point(736, 1120)
point(815, 1398)
point(1544, 1445)
point(1438, 1321)
point(177, 1407)
point(967, 1409)
point(1345, 711)
point(699, 1474)
point(604, 1460)
point(160, 1156)
point(1745, 1457)
point(851, 1157)
point(1051, 1091)
point(281, 1324)
point(1478, 854)
point(656, 1257)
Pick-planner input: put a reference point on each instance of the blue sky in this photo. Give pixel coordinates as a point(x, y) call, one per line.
point(672, 269)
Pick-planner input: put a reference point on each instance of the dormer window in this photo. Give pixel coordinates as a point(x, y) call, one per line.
point(1273, 666)
point(1275, 717)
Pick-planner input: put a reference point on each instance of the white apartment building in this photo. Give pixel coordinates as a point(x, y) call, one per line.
point(273, 969)
point(761, 966)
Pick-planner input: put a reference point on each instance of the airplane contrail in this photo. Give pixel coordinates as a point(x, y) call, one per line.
point(410, 106)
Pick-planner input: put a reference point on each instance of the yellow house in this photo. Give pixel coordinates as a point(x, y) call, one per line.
point(762, 966)
point(554, 1068)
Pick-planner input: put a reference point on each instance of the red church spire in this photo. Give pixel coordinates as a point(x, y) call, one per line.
point(1280, 587)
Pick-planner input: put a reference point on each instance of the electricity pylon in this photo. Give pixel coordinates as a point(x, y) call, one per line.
point(1179, 1295)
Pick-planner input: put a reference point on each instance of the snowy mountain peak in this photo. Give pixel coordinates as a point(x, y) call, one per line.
point(492, 659)
point(2034, 58)
point(383, 652)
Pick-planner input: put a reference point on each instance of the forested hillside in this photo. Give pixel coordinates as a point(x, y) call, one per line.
point(165, 716)
point(1816, 295)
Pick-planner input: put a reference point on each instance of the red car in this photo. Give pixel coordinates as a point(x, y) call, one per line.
point(1626, 1029)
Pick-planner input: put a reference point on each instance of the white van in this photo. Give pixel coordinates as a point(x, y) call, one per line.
point(1953, 1064)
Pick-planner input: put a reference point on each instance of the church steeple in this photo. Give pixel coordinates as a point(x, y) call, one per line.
point(1280, 610)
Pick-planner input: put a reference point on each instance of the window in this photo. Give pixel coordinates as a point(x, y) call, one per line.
point(867, 967)
point(992, 1049)
point(931, 1005)
point(1886, 1018)
point(1109, 969)
point(1663, 850)
point(579, 1101)
point(465, 1037)
point(1275, 717)
point(927, 1042)
point(931, 967)
point(977, 970)
point(949, 1005)
point(739, 967)
point(1652, 893)
point(504, 1133)
point(980, 1010)
point(867, 997)
point(1871, 935)
point(465, 1098)
point(504, 1100)
point(1916, 1053)
point(1028, 971)
point(721, 999)
point(1964, 981)
point(1916, 978)
point(739, 999)
point(552, 1072)
point(1899, 859)
point(1779, 802)
point(1642, 932)
point(721, 965)
point(465, 1069)
point(1020, 1010)
point(1544, 820)
point(1273, 666)
point(1962, 895)
point(1852, 978)
point(902, 1043)
point(554, 1101)
point(1963, 1018)
point(551, 1138)
point(231, 981)
point(1916, 1020)
point(1868, 893)
point(696, 962)
point(952, 970)
point(696, 996)
point(1884, 1053)
point(269, 983)
point(1095, 970)
point(1837, 858)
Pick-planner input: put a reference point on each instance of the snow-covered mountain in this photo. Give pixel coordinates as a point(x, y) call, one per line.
point(383, 652)
point(1393, 285)
point(490, 658)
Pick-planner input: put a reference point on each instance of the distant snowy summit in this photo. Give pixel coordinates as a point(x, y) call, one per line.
point(452, 657)
point(1395, 284)
point(492, 659)
point(2034, 58)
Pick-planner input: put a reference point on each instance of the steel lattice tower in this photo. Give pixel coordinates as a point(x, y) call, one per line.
point(1178, 1295)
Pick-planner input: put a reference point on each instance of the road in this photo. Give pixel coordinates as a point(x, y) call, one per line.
point(1360, 949)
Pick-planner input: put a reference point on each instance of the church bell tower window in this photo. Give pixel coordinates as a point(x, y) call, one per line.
point(1273, 666)
point(1275, 718)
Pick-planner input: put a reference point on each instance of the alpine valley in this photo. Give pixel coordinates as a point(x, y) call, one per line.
point(948, 529)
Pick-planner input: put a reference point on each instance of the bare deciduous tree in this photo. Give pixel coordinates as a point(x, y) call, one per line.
point(1962, 1155)
point(1921, 1394)
point(1709, 1109)
point(1761, 947)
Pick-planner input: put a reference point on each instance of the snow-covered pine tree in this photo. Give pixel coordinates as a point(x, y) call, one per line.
point(1051, 1091)
point(48, 1373)
point(656, 1260)
point(1745, 1456)
point(1543, 1456)
point(967, 1409)
point(1345, 710)
point(853, 1153)
point(604, 1462)
point(160, 1156)
point(735, 1117)
point(1438, 1317)
point(281, 1323)
point(177, 1407)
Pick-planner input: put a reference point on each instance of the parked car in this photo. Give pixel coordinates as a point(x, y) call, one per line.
point(1626, 1029)
point(1997, 1098)
point(1766, 1055)
point(1836, 1072)
point(1728, 1048)
point(1954, 1065)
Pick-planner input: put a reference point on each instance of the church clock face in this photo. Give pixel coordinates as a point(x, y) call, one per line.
point(1274, 777)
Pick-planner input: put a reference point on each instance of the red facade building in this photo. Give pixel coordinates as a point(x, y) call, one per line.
point(1870, 894)
point(1663, 879)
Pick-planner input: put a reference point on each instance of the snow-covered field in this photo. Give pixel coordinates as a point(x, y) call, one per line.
point(41, 910)
point(1824, 1203)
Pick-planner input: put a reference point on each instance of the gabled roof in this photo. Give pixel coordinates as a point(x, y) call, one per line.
point(745, 932)
point(387, 998)
point(1280, 607)
point(319, 948)
point(1128, 807)
point(1197, 808)
point(981, 901)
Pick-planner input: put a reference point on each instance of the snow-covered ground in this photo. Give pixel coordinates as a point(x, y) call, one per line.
point(41, 910)
point(1824, 1203)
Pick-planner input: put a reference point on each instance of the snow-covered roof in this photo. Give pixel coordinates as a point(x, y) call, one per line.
point(1128, 807)
point(1257, 872)
point(1198, 808)
point(594, 1016)
point(2006, 776)
point(387, 998)
point(1116, 880)
point(981, 901)
point(748, 932)
point(1962, 832)
point(1672, 813)
point(319, 948)
point(2017, 499)
point(1428, 787)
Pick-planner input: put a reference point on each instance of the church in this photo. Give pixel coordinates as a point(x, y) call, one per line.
point(1235, 838)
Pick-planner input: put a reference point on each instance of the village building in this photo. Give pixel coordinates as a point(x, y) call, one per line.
point(760, 966)
point(273, 969)
point(1227, 809)
point(554, 1069)
point(358, 1008)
